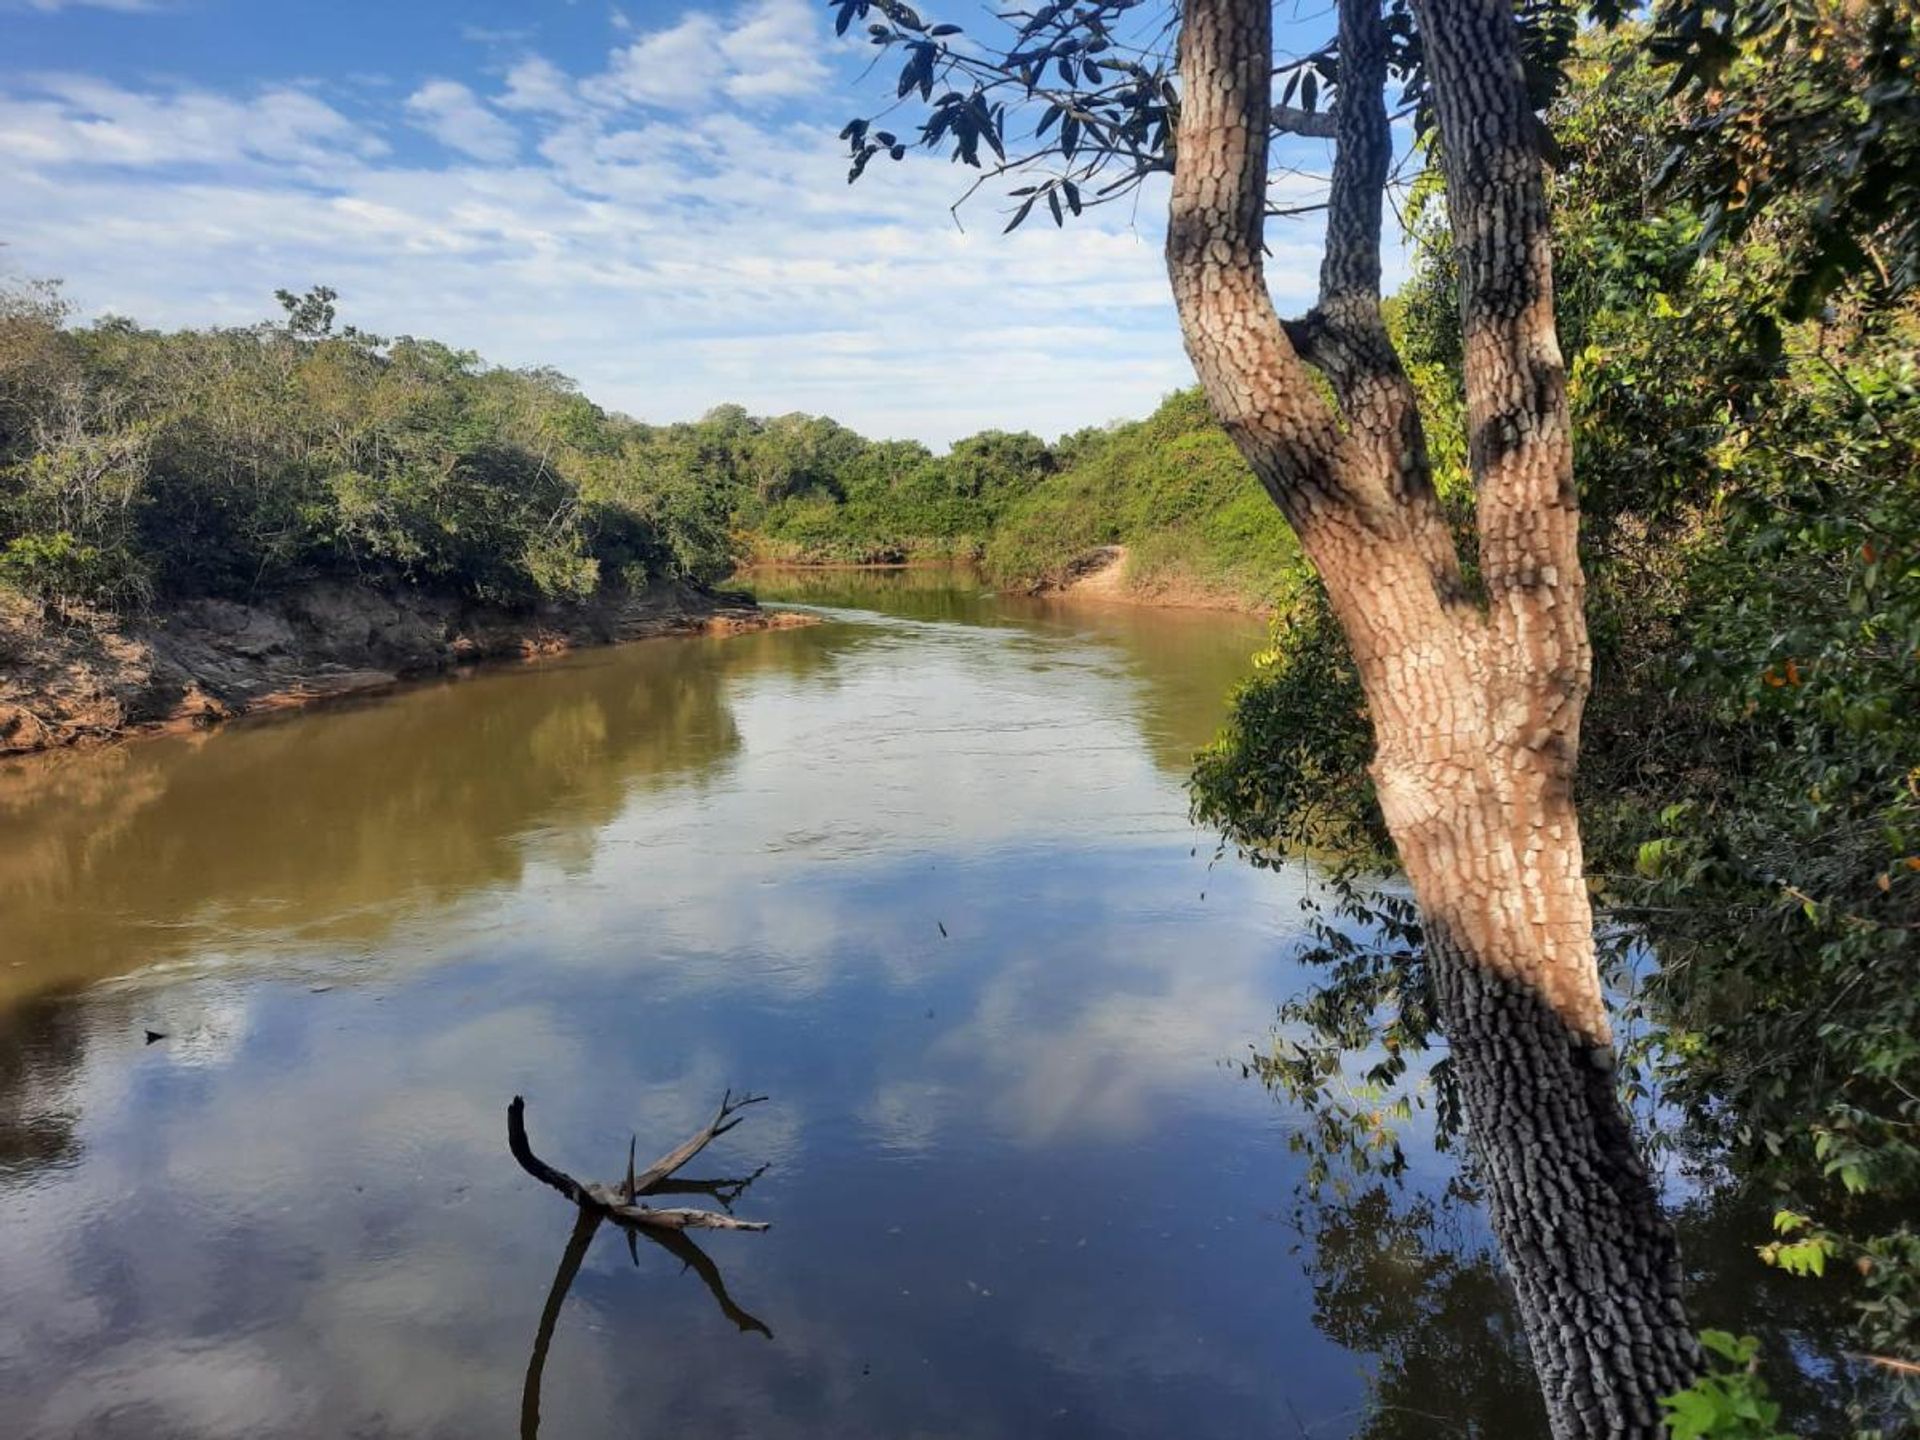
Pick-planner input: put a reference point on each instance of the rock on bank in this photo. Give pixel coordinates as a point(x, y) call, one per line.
point(65, 679)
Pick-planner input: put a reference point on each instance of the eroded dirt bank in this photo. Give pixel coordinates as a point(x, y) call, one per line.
point(68, 680)
point(1105, 574)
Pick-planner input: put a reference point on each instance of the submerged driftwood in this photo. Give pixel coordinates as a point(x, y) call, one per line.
point(619, 1201)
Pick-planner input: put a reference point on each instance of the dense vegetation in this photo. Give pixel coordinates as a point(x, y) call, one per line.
point(1747, 403)
point(1171, 488)
point(818, 493)
point(138, 466)
point(1751, 773)
point(1174, 490)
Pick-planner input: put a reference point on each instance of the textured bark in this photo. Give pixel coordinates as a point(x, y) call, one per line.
point(1476, 707)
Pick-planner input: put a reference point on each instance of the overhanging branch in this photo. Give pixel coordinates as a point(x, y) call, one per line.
point(1314, 124)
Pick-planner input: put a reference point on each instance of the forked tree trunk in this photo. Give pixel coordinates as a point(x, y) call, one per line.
point(1475, 703)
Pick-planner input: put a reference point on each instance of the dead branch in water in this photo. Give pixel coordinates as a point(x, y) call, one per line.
point(620, 1199)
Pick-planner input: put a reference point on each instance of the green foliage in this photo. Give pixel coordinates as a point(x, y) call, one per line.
point(1800, 118)
point(1171, 487)
point(1174, 489)
point(1750, 775)
point(1779, 886)
point(805, 489)
point(1288, 773)
point(135, 465)
point(59, 568)
point(1409, 1280)
point(1730, 1401)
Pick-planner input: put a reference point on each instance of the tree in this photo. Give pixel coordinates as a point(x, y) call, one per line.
point(1475, 699)
point(1805, 115)
point(1475, 685)
point(1752, 543)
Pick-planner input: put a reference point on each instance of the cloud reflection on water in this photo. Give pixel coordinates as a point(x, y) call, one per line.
point(1013, 1186)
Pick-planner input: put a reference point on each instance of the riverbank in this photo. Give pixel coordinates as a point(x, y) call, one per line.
point(79, 678)
point(850, 553)
point(1113, 575)
point(1107, 574)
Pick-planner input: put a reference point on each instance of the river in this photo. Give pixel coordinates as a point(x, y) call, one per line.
point(921, 873)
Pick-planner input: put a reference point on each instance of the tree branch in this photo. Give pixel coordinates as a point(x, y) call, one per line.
point(1536, 657)
point(1520, 439)
point(725, 1191)
point(678, 1245)
point(1345, 336)
point(724, 1119)
point(619, 1200)
point(1314, 124)
point(584, 1228)
point(669, 1219)
point(1258, 386)
point(534, 1165)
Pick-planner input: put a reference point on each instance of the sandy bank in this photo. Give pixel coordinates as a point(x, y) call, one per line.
point(1102, 576)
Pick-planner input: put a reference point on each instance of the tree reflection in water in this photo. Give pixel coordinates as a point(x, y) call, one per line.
point(1409, 1279)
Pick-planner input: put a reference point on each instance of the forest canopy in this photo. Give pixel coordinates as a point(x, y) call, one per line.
point(141, 467)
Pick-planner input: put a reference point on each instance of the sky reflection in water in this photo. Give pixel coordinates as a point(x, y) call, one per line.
point(1016, 1187)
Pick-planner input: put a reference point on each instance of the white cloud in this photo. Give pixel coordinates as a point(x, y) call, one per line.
point(492, 35)
point(775, 51)
point(672, 227)
point(126, 6)
point(456, 117)
point(538, 85)
point(77, 120)
point(772, 51)
point(676, 68)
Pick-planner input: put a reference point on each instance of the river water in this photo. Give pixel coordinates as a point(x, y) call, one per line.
point(921, 873)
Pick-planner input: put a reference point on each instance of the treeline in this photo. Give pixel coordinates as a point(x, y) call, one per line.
point(139, 466)
point(1751, 760)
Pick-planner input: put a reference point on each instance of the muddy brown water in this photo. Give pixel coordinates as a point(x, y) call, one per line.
point(922, 873)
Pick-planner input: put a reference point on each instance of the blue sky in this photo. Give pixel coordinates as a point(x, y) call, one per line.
point(649, 197)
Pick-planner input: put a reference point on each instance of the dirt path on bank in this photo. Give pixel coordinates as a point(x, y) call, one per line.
point(1101, 577)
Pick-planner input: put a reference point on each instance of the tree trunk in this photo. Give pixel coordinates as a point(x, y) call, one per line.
point(1475, 705)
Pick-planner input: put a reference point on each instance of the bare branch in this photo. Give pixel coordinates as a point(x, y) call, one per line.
point(725, 1191)
point(724, 1119)
point(1314, 124)
point(584, 1228)
point(669, 1219)
point(620, 1199)
point(677, 1244)
point(534, 1165)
